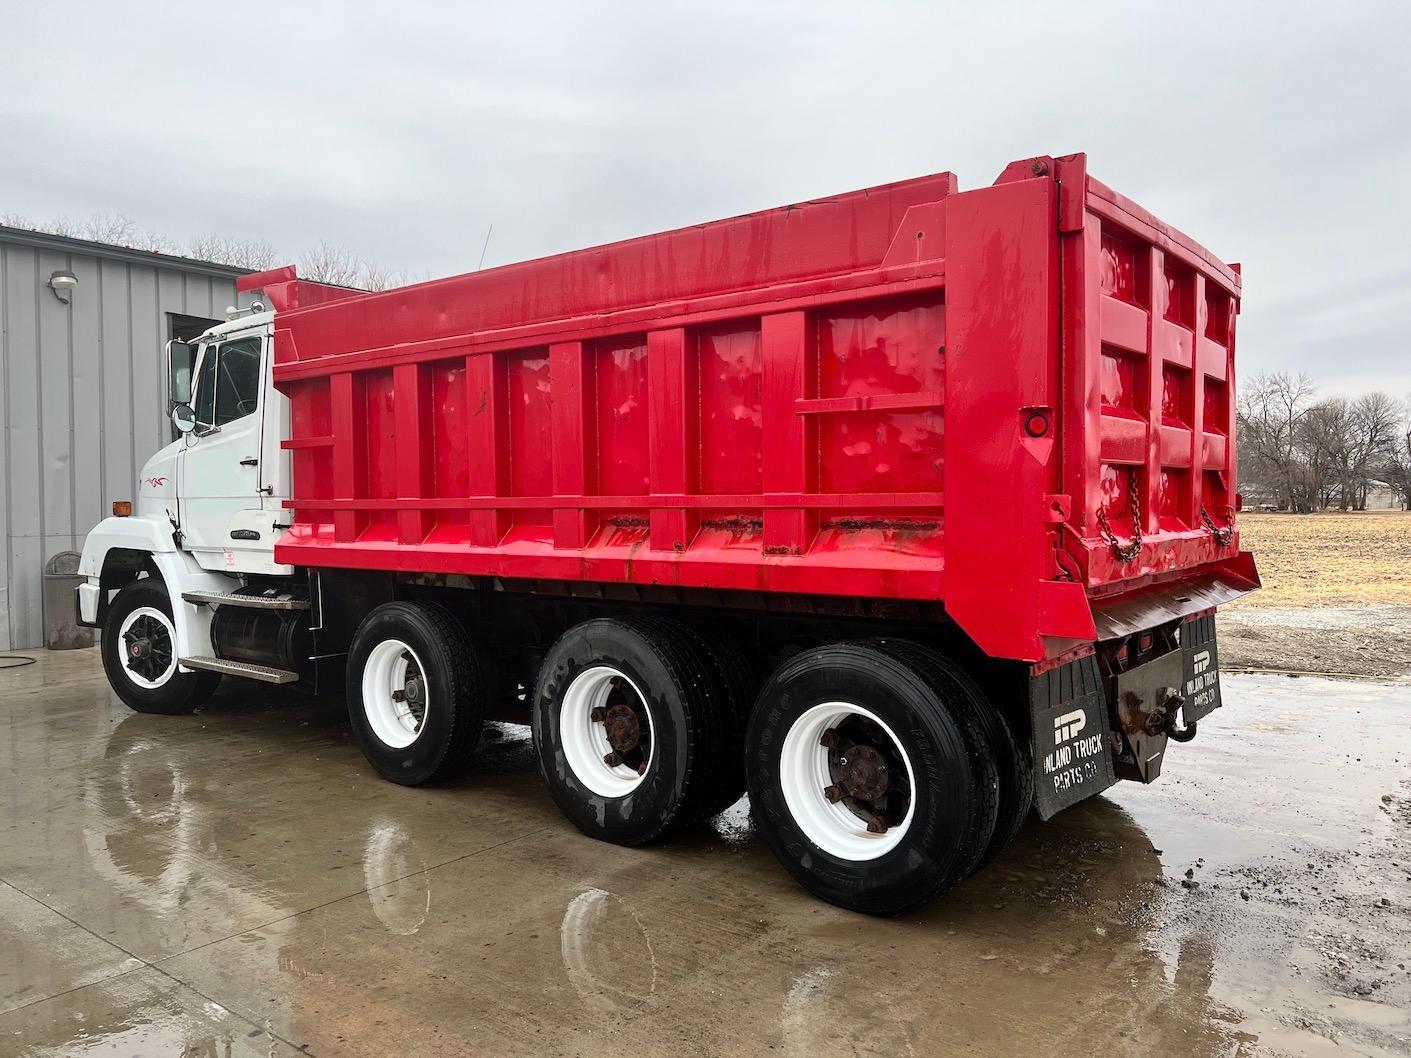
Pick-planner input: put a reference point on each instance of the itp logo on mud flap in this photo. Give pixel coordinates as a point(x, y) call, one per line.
point(1200, 662)
point(1067, 726)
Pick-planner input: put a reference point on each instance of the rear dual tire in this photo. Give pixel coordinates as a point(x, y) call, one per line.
point(879, 776)
point(414, 692)
point(633, 727)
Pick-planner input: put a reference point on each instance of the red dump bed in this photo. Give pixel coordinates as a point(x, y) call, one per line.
point(908, 392)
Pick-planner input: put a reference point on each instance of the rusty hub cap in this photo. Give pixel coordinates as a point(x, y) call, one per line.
point(864, 773)
point(623, 727)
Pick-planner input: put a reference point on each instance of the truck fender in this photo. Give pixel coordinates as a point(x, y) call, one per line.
point(143, 535)
point(118, 549)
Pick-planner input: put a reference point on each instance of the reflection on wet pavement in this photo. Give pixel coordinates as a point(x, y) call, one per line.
point(239, 883)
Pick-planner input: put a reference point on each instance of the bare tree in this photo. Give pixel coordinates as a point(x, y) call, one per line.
point(112, 228)
point(1321, 453)
point(341, 267)
point(239, 253)
point(1311, 454)
point(1269, 418)
point(1396, 464)
point(1373, 423)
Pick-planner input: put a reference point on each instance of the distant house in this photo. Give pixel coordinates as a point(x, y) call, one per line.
point(1382, 497)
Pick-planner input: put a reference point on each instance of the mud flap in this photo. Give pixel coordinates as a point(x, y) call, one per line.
point(1202, 668)
point(1072, 759)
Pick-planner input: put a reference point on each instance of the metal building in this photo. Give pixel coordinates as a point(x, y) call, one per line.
point(82, 325)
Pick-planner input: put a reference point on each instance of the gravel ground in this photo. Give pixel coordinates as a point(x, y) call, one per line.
point(1348, 640)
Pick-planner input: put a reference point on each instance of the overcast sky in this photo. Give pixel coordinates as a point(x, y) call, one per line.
point(1279, 135)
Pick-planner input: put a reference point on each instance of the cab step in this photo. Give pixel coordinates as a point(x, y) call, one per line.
point(262, 602)
point(263, 673)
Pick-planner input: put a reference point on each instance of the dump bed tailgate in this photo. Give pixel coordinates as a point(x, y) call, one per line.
point(1149, 338)
point(1090, 465)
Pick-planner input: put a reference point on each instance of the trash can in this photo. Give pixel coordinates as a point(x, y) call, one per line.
point(61, 628)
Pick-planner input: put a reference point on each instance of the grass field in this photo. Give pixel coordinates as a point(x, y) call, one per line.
point(1329, 559)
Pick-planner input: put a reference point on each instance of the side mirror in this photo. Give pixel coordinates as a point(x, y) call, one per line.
point(183, 417)
point(180, 359)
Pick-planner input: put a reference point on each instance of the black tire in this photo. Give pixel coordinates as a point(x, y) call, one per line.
point(953, 799)
point(1013, 763)
point(739, 685)
point(179, 692)
point(453, 711)
point(685, 704)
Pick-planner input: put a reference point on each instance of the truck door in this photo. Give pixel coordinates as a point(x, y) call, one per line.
point(218, 471)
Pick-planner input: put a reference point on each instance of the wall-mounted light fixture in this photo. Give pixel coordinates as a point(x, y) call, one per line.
point(62, 284)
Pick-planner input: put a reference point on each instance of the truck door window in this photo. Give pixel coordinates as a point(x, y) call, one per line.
point(228, 382)
point(237, 380)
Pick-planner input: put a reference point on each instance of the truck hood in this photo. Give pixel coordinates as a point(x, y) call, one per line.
point(156, 484)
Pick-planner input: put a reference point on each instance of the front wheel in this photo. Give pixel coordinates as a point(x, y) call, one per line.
point(139, 653)
point(868, 779)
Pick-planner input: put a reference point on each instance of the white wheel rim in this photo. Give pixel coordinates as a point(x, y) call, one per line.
point(585, 741)
point(133, 624)
point(804, 775)
point(389, 701)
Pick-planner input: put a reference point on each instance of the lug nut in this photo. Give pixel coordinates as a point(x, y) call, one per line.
point(829, 738)
point(833, 793)
point(598, 715)
point(613, 759)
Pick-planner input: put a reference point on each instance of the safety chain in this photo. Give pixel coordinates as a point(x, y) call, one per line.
point(1130, 551)
point(1222, 534)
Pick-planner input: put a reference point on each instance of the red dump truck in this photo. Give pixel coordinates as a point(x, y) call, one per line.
point(906, 510)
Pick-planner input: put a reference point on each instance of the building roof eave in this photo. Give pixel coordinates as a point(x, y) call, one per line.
point(68, 244)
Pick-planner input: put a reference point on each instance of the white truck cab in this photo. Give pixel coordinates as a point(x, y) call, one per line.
point(207, 510)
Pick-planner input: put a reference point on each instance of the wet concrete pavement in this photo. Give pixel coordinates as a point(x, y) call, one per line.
point(238, 882)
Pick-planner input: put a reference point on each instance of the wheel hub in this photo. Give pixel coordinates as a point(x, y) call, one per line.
point(863, 777)
point(624, 730)
point(864, 773)
point(148, 647)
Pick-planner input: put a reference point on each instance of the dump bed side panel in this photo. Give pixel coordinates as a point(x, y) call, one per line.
point(752, 404)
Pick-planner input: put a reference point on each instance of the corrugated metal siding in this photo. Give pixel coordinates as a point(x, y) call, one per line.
point(80, 402)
